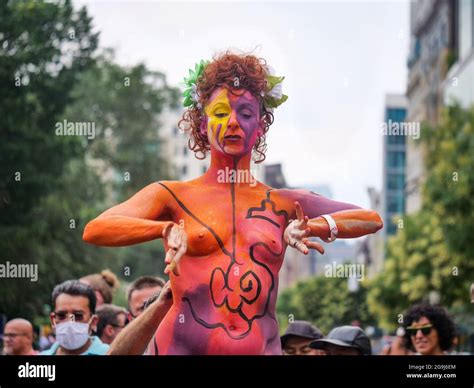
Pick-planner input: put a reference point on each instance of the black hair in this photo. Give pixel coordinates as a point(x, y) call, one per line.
point(439, 318)
point(75, 288)
point(108, 314)
point(144, 282)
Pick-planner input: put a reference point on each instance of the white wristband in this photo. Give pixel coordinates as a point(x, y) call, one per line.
point(333, 231)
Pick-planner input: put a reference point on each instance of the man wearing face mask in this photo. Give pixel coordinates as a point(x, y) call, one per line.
point(73, 319)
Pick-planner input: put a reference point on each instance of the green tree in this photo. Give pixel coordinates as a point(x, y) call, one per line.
point(433, 251)
point(62, 184)
point(324, 301)
point(43, 47)
point(126, 106)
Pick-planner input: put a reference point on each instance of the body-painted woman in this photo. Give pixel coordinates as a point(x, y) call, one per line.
point(225, 240)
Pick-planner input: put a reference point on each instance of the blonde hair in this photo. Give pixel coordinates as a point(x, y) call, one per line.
point(106, 283)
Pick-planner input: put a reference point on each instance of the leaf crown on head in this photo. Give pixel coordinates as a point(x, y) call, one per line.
point(272, 96)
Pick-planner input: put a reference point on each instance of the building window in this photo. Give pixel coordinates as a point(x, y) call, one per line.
point(396, 139)
point(184, 170)
point(185, 150)
point(466, 28)
point(391, 229)
point(392, 117)
point(204, 169)
point(396, 114)
point(396, 182)
point(396, 204)
point(396, 159)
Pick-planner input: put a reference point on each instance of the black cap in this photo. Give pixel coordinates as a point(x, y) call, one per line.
point(347, 336)
point(301, 329)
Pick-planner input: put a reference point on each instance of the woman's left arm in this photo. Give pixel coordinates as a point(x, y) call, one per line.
point(309, 210)
point(350, 224)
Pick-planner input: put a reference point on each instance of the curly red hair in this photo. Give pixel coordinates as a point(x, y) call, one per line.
point(252, 75)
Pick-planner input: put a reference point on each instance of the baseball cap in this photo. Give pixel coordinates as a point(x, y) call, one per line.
point(301, 329)
point(347, 336)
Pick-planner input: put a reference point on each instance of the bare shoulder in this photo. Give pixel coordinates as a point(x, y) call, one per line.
point(292, 195)
point(158, 192)
point(150, 202)
point(286, 198)
point(295, 193)
point(170, 185)
point(282, 198)
point(179, 189)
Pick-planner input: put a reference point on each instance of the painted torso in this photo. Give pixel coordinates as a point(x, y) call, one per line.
point(224, 298)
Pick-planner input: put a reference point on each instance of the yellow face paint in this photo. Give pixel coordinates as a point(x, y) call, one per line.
point(218, 112)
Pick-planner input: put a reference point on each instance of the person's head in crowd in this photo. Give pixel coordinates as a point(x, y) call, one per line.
point(344, 341)
point(73, 319)
point(298, 336)
point(398, 345)
point(18, 338)
point(429, 330)
point(111, 322)
point(139, 291)
point(104, 285)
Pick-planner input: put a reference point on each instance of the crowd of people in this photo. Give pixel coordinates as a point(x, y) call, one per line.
point(85, 322)
point(428, 330)
point(83, 319)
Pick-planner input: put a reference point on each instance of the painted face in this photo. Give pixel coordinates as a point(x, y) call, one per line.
point(232, 122)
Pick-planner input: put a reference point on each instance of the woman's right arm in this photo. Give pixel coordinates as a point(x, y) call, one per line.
point(132, 221)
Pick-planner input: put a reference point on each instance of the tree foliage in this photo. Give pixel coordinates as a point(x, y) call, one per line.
point(50, 185)
point(324, 301)
point(433, 252)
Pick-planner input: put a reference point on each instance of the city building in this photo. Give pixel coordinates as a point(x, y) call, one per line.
point(273, 176)
point(373, 253)
point(390, 201)
point(459, 83)
point(183, 164)
point(432, 43)
point(394, 144)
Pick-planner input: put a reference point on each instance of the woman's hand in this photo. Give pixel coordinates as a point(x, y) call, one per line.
point(297, 232)
point(177, 242)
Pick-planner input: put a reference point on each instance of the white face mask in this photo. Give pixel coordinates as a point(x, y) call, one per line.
point(72, 335)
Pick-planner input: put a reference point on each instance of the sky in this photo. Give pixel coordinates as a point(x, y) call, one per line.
point(339, 60)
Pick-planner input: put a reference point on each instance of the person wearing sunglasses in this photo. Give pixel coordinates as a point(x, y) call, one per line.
point(18, 338)
point(139, 291)
point(137, 337)
point(112, 320)
point(429, 330)
point(73, 319)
